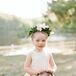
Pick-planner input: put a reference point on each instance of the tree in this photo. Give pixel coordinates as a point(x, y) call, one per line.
point(61, 15)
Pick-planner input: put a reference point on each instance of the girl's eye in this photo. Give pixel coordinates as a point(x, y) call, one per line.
point(40, 40)
point(43, 40)
point(37, 40)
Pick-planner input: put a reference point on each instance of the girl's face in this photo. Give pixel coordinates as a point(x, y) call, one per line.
point(39, 40)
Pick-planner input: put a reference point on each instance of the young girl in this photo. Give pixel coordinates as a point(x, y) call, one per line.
point(39, 61)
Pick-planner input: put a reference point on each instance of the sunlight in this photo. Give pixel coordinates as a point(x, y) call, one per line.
point(24, 8)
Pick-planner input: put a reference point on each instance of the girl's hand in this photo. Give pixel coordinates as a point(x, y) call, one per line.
point(41, 71)
point(49, 71)
point(45, 71)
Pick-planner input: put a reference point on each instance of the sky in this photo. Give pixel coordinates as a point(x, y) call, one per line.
point(24, 8)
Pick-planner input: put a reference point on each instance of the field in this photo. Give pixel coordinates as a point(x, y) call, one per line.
point(13, 65)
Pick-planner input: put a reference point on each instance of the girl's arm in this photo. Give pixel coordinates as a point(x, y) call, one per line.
point(27, 66)
point(52, 65)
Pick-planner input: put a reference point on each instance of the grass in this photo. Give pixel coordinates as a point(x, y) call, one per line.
point(13, 65)
point(66, 65)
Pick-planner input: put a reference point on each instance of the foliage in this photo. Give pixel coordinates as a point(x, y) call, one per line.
point(64, 18)
point(12, 29)
point(24, 30)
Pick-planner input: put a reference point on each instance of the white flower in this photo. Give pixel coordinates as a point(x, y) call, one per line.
point(41, 26)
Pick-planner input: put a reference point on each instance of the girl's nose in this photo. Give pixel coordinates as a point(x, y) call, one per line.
point(40, 42)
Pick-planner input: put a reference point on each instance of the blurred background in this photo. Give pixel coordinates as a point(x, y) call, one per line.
point(16, 19)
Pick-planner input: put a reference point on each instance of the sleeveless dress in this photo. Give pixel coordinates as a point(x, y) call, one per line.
point(40, 61)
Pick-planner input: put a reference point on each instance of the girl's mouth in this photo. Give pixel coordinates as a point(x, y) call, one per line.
point(40, 46)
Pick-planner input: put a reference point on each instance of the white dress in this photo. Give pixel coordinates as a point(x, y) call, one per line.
point(40, 60)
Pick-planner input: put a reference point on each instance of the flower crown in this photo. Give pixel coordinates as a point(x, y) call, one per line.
point(40, 28)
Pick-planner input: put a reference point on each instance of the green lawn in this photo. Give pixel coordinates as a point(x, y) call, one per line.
point(13, 65)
